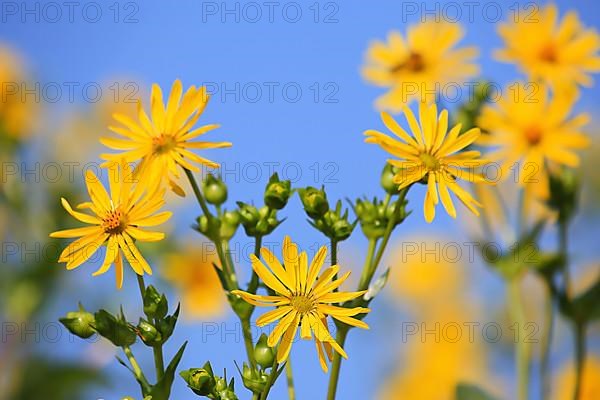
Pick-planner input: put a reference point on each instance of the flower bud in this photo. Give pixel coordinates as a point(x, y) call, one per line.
point(214, 190)
point(249, 214)
point(314, 201)
point(277, 193)
point(253, 379)
point(148, 333)
point(264, 354)
point(229, 224)
point(79, 323)
point(200, 380)
point(387, 179)
point(155, 304)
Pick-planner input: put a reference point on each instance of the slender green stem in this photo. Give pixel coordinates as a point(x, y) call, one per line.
point(546, 344)
point(290, 379)
point(253, 285)
point(248, 343)
point(333, 252)
point(579, 358)
point(336, 364)
point(198, 193)
point(523, 348)
point(270, 380)
point(564, 250)
point(157, 350)
point(139, 374)
point(367, 267)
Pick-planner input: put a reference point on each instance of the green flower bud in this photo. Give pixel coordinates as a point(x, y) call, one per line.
point(148, 333)
point(229, 224)
point(264, 354)
point(214, 190)
point(342, 229)
point(387, 179)
point(155, 304)
point(249, 214)
point(118, 331)
point(79, 323)
point(200, 380)
point(253, 379)
point(277, 193)
point(314, 201)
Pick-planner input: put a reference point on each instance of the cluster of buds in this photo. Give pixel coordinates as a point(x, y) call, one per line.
point(203, 382)
point(375, 215)
point(158, 327)
point(255, 378)
point(333, 223)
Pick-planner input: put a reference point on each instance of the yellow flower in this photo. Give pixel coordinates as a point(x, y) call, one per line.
point(117, 221)
point(561, 54)
point(302, 298)
point(192, 274)
point(414, 66)
point(590, 384)
point(162, 142)
point(434, 155)
point(17, 109)
point(530, 129)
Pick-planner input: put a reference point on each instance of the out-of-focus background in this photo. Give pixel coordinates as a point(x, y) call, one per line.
point(288, 92)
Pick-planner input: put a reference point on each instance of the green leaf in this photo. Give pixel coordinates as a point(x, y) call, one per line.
point(162, 389)
point(586, 306)
point(465, 391)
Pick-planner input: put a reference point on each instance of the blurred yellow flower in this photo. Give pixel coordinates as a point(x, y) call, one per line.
point(412, 66)
point(303, 298)
point(426, 270)
point(191, 272)
point(431, 366)
point(532, 131)
point(162, 142)
point(558, 53)
point(117, 221)
point(433, 154)
point(590, 382)
point(18, 111)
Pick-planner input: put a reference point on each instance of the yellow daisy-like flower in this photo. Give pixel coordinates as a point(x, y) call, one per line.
point(561, 54)
point(117, 220)
point(303, 298)
point(421, 63)
point(432, 154)
point(162, 142)
point(531, 130)
point(192, 274)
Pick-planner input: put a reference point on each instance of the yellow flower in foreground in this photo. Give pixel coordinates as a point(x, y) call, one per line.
point(530, 129)
point(303, 298)
point(421, 63)
point(559, 54)
point(162, 142)
point(192, 274)
point(433, 154)
point(117, 221)
point(590, 384)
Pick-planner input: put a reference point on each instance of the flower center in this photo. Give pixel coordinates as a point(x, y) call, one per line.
point(163, 143)
point(430, 162)
point(548, 53)
point(302, 304)
point(413, 63)
point(533, 135)
point(114, 222)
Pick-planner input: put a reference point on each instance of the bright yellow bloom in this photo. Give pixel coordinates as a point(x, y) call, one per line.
point(561, 54)
point(590, 384)
point(117, 220)
point(162, 142)
point(421, 63)
point(434, 155)
point(529, 130)
point(303, 298)
point(191, 272)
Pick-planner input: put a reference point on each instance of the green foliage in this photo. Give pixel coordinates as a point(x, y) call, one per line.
point(470, 392)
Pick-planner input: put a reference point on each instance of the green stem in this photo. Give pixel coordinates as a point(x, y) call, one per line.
point(579, 358)
point(248, 343)
point(270, 380)
point(157, 350)
point(336, 364)
point(198, 193)
point(563, 248)
point(135, 367)
point(253, 285)
point(367, 267)
point(290, 379)
point(522, 357)
point(333, 252)
point(546, 344)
